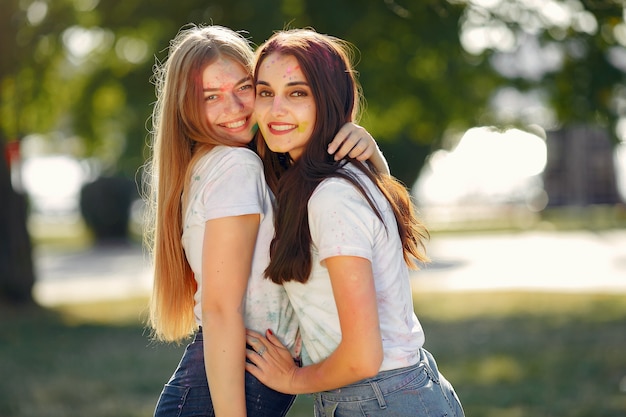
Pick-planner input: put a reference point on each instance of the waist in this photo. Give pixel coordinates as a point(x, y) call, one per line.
point(197, 337)
point(384, 383)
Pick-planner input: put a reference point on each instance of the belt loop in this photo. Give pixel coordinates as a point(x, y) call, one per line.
point(430, 366)
point(379, 395)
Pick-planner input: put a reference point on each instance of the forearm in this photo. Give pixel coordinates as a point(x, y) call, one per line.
point(359, 354)
point(378, 160)
point(224, 354)
point(227, 255)
point(343, 367)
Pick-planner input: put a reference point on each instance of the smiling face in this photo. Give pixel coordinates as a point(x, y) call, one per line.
point(228, 94)
point(284, 107)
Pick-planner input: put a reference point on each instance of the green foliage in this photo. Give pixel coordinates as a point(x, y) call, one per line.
point(83, 67)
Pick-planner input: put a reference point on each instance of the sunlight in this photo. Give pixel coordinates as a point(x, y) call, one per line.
point(133, 50)
point(36, 12)
point(80, 42)
point(53, 183)
point(486, 166)
point(485, 24)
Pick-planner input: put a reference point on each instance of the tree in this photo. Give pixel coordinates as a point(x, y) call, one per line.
point(568, 57)
point(429, 69)
point(16, 267)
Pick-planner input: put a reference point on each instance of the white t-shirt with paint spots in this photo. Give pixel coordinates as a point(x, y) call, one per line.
point(227, 182)
point(343, 224)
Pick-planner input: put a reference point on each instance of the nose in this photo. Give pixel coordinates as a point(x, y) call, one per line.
point(234, 104)
point(278, 106)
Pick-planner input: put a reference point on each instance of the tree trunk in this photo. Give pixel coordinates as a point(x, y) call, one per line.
point(16, 265)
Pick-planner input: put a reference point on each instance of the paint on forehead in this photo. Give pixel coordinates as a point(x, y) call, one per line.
point(289, 71)
point(223, 78)
point(221, 86)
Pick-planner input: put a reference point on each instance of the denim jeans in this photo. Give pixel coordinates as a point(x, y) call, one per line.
point(418, 390)
point(186, 394)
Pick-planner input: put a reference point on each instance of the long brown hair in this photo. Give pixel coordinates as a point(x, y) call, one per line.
point(326, 63)
point(180, 135)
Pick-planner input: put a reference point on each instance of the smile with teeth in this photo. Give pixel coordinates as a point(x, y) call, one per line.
point(281, 127)
point(235, 125)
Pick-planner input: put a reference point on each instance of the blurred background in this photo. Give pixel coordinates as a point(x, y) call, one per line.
point(505, 118)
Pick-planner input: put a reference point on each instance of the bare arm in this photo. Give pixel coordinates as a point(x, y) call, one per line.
point(227, 258)
point(354, 141)
point(359, 353)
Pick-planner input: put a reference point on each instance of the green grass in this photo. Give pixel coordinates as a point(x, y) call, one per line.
point(507, 354)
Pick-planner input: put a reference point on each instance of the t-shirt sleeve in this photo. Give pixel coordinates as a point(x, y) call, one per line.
point(341, 221)
point(235, 188)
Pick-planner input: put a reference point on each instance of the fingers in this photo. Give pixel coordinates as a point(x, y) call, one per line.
point(254, 370)
point(258, 344)
point(338, 139)
point(270, 337)
point(352, 141)
point(254, 334)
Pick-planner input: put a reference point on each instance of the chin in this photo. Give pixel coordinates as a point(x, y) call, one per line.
point(276, 149)
point(242, 137)
point(243, 141)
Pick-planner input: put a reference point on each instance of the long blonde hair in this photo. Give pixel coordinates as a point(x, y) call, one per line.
point(180, 134)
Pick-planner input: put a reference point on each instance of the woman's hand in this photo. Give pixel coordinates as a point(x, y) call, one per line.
point(272, 363)
point(355, 142)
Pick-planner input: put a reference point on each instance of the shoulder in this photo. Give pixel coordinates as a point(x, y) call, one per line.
point(236, 154)
point(336, 191)
point(342, 186)
point(225, 158)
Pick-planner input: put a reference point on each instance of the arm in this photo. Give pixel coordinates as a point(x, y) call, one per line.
point(356, 142)
point(227, 257)
point(359, 353)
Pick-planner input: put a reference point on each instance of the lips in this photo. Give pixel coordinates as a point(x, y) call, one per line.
point(281, 128)
point(236, 124)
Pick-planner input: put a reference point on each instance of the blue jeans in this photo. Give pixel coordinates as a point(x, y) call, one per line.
point(418, 390)
point(187, 392)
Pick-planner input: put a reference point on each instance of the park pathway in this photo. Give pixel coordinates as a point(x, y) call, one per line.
point(576, 261)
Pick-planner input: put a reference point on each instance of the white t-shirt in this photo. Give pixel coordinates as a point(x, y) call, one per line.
point(225, 182)
point(342, 223)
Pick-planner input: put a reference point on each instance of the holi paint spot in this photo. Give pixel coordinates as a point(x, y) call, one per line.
point(302, 127)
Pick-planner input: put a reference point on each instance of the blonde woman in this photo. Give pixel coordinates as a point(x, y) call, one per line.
point(213, 223)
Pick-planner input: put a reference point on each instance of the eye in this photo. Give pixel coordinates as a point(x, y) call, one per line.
point(210, 97)
point(264, 93)
point(245, 87)
point(299, 93)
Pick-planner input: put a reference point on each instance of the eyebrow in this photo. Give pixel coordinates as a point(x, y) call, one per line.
point(243, 80)
point(291, 84)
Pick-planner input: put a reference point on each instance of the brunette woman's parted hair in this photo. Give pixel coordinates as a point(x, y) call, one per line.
point(180, 135)
point(325, 62)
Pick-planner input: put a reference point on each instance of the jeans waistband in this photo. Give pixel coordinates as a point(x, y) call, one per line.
point(385, 382)
point(373, 388)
